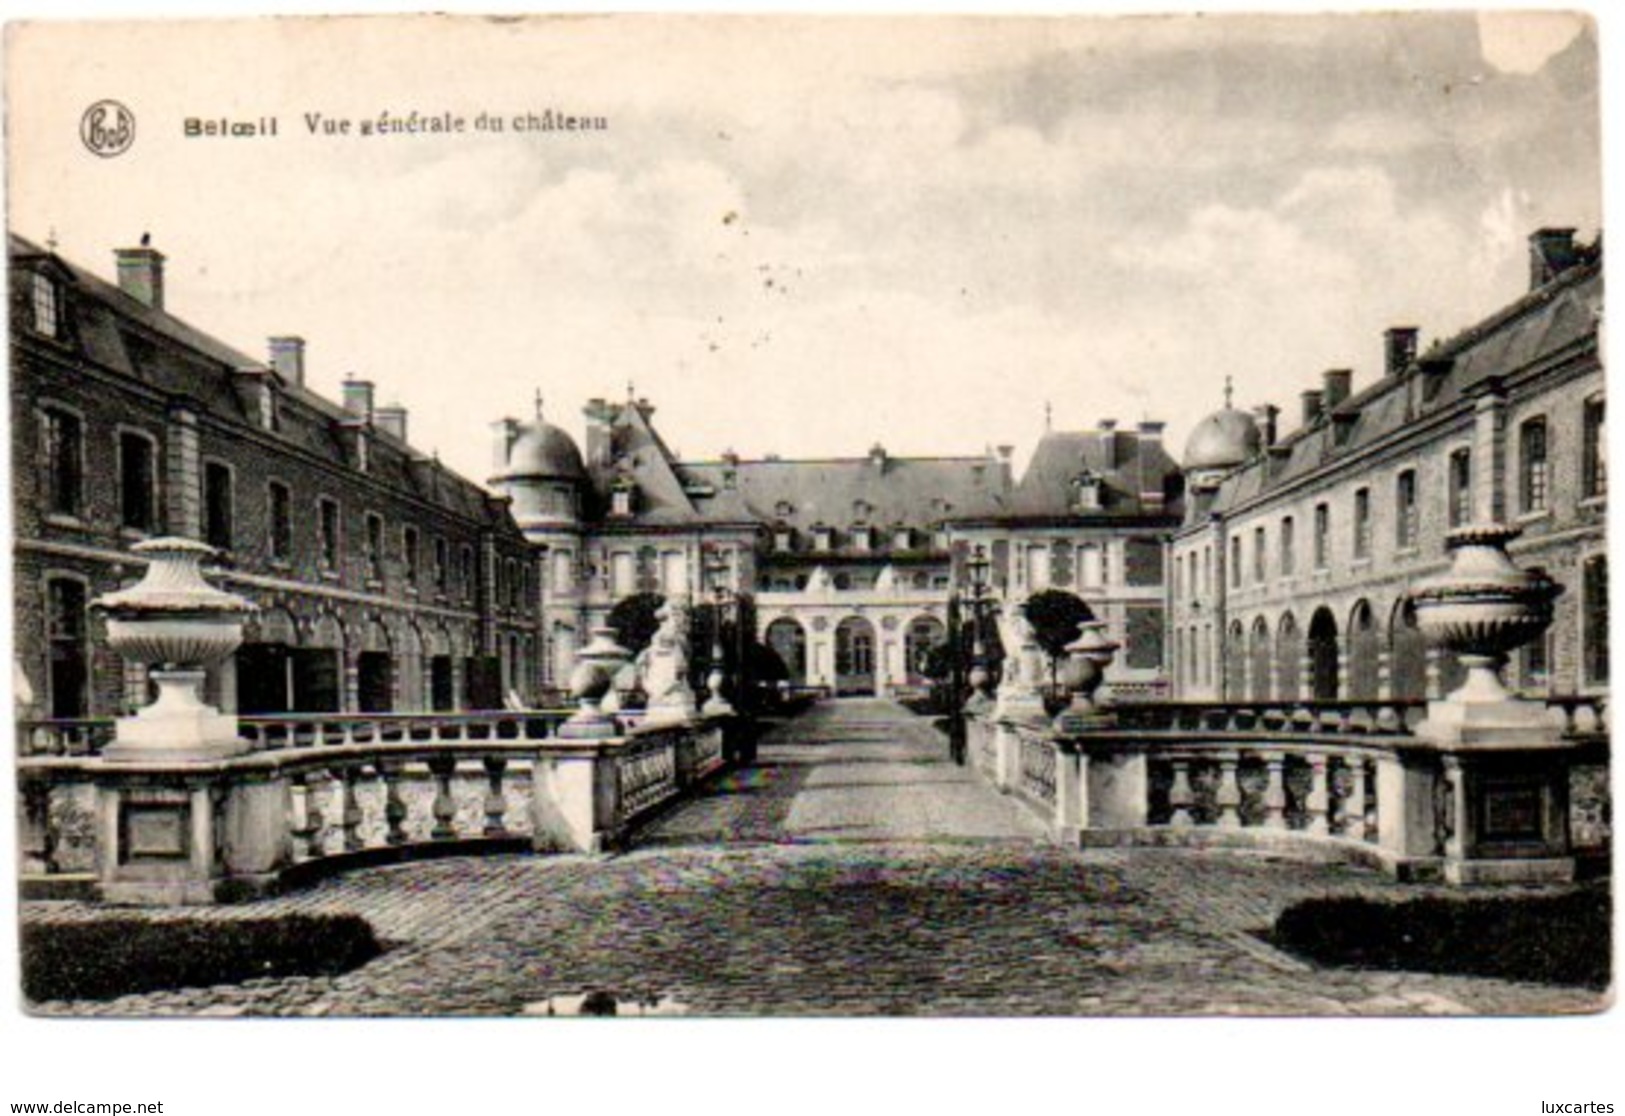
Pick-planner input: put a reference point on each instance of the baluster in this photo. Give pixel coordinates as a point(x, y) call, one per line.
point(442, 767)
point(496, 805)
point(38, 839)
point(1275, 792)
point(349, 809)
point(1316, 804)
point(347, 732)
point(1353, 806)
point(1368, 779)
point(1228, 797)
point(1180, 797)
point(318, 734)
point(309, 832)
point(394, 804)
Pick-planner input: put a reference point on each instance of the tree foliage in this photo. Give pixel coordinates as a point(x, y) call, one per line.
point(1055, 615)
point(634, 620)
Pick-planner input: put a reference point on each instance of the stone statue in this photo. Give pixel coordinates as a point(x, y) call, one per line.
point(666, 670)
point(1018, 698)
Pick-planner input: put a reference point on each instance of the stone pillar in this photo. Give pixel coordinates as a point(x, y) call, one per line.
point(573, 800)
point(1071, 793)
point(183, 475)
point(1489, 454)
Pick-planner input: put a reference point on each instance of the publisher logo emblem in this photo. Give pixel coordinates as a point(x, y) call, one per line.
point(107, 129)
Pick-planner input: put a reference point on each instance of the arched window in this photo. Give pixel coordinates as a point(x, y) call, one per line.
point(1323, 674)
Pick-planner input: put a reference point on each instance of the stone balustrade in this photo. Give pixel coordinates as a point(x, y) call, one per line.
point(321, 793)
point(1347, 781)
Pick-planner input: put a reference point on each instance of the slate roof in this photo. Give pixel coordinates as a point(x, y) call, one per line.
point(1544, 321)
point(121, 333)
point(1126, 464)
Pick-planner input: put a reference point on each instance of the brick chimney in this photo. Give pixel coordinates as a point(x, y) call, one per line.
point(1311, 406)
point(391, 419)
point(1337, 383)
point(1266, 416)
point(503, 433)
point(600, 416)
point(288, 359)
point(877, 457)
point(358, 397)
point(141, 274)
point(1150, 431)
point(1399, 349)
point(1551, 253)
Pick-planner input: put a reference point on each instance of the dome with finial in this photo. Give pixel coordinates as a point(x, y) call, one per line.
point(1223, 440)
point(540, 450)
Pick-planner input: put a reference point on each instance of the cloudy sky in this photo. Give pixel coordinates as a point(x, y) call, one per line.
point(803, 237)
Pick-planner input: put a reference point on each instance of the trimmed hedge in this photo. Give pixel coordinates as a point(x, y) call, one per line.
point(106, 958)
point(1547, 939)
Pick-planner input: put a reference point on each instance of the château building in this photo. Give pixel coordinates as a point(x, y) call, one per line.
point(383, 580)
point(1291, 569)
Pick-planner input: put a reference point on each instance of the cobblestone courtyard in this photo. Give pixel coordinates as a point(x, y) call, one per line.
point(852, 870)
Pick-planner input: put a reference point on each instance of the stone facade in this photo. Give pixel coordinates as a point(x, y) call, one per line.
point(1292, 569)
point(848, 562)
point(383, 580)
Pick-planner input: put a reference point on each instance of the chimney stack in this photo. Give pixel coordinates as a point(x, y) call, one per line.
point(1151, 431)
point(600, 415)
point(503, 433)
point(1337, 382)
point(358, 397)
point(1311, 406)
point(1266, 416)
point(288, 359)
point(877, 456)
point(1399, 349)
point(1551, 252)
point(141, 274)
point(391, 419)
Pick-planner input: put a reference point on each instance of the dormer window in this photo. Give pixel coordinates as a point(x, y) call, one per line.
point(861, 537)
point(823, 537)
point(1086, 492)
point(621, 496)
point(783, 538)
point(47, 306)
point(902, 538)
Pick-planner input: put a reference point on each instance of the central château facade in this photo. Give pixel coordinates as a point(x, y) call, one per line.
point(850, 562)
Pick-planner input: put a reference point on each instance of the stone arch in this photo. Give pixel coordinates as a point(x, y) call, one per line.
point(327, 631)
point(855, 656)
point(1323, 653)
point(275, 624)
point(788, 639)
point(1407, 654)
point(1235, 662)
point(924, 634)
point(1364, 649)
point(1258, 660)
point(1288, 659)
point(413, 695)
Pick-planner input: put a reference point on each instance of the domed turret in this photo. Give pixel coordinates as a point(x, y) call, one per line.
point(539, 467)
point(1223, 441)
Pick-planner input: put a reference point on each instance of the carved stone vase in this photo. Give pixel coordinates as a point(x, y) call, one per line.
point(1087, 658)
point(178, 625)
point(594, 673)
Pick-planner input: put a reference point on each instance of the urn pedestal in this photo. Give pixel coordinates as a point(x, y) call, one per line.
point(1498, 779)
point(1088, 656)
point(178, 625)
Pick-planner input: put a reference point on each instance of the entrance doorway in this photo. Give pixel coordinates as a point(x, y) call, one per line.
point(855, 656)
point(375, 676)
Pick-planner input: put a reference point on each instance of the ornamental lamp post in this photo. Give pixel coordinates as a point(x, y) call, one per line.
point(716, 570)
point(979, 567)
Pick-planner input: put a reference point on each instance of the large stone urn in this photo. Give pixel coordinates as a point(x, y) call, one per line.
point(178, 625)
point(1087, 658)
point(1481, 609)
point(596, 667)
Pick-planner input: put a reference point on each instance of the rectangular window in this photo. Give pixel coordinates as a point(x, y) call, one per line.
point(1144, 637)
point(564, 574)
point(1323, 536)
point(440, 573)
point(1288, 558)
point(1037, 567)
point(409, 543)
point(1142, 562)
point(468, 573)
point(217, 505)
point(64, 462)
point(1362, 523)
point(1461, 487)
point(1235, 563)
point(135, 474)
point(327, 528)
point(1594, 633)
point(47, 311)
point(1406, 521)
point(1091, 570)
point(281, 506)
point(622, 574)
point(1594, 481)
point(375, 549)
point(1259, 558)
point(1532, 466)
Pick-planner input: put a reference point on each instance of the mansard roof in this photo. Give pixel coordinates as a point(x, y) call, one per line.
point(1128, 466)
point(1544, 323)
point(114, 331)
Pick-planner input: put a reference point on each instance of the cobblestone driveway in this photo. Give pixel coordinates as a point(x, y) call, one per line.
point(852, 871)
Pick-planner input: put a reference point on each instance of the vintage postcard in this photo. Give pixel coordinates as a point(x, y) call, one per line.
point(778, 516)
